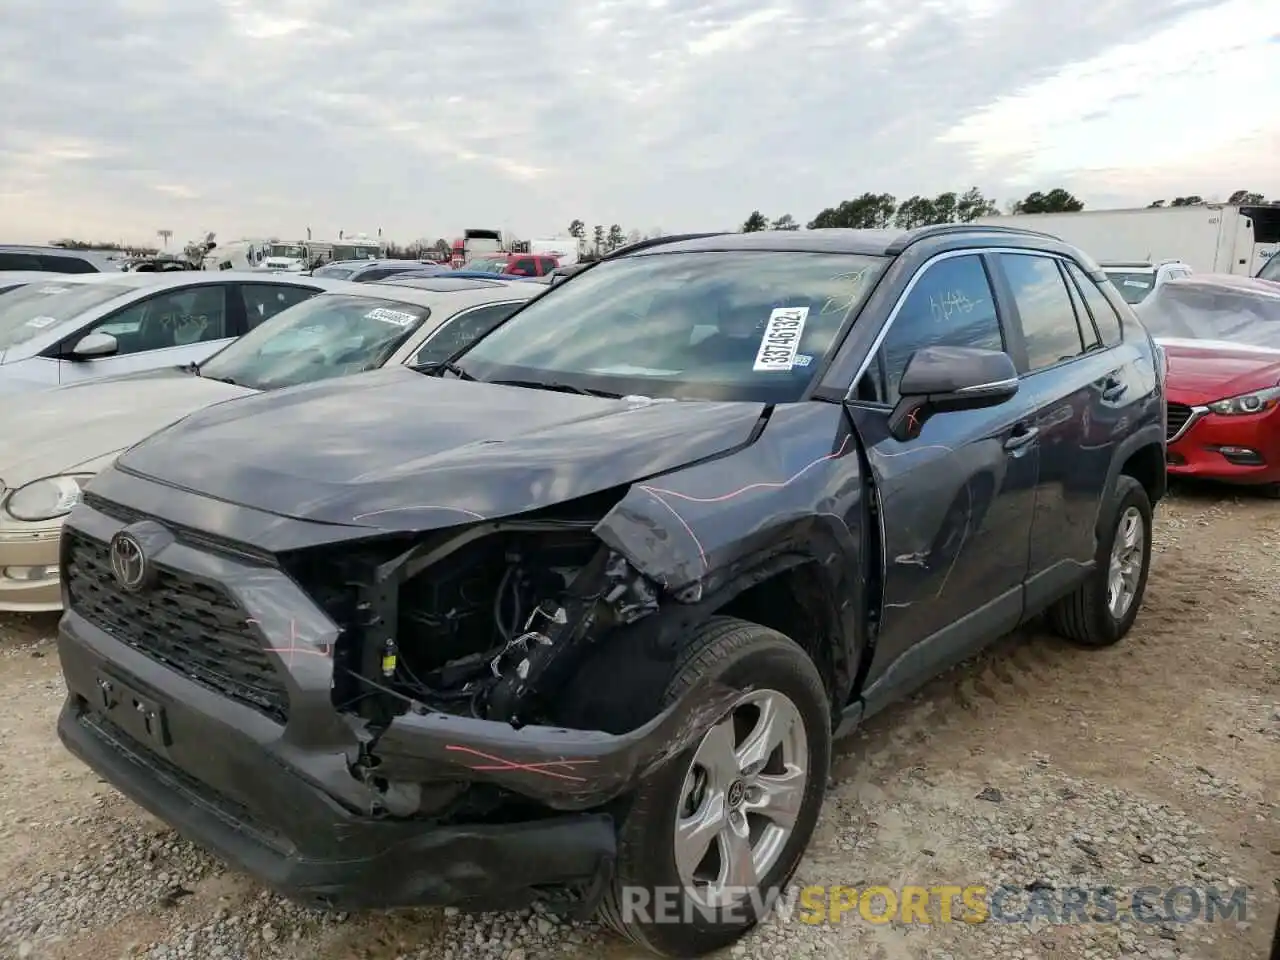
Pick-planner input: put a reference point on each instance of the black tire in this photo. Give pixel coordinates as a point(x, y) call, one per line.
point(742, 655)
point(1083, 616)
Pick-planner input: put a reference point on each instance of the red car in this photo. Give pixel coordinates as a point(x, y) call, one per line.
point(1221, 337)
point(513, 264)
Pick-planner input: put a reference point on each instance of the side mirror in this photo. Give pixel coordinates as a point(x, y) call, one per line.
point(95, 345)
point(949, 379)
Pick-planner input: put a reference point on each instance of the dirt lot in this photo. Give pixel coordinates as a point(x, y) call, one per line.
point(1154, 763)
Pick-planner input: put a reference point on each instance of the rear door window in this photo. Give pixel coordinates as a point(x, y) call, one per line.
point(55, 264)
point(19, 261)
point(1104, 314)
point(1049, 325)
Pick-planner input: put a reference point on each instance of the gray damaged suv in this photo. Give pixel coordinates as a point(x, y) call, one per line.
point(576, 614)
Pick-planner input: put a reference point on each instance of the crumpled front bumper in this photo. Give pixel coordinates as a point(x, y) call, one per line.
point(281, 798)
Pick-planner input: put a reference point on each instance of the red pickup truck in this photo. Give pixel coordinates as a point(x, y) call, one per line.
point(514, 264)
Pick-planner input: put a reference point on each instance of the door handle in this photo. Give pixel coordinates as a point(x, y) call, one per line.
point(1022, 437)
point(1113, 388)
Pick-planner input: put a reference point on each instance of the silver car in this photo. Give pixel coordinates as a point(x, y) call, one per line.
point(67, 329)
point(56, 440)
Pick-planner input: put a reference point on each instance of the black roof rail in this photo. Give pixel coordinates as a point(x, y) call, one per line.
point(944, 229)
point(658, 241)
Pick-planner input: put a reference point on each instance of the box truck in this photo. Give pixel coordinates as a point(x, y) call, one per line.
point(1210, 238)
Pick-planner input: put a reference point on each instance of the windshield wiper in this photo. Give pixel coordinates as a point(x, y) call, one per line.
point(434, 368)
point(229, 380)
point(560, 386)
point(191, 367)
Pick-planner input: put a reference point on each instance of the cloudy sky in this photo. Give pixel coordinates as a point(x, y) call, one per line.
point(264, 117)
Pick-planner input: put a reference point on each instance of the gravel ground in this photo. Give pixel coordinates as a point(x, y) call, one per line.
point(1154, 763)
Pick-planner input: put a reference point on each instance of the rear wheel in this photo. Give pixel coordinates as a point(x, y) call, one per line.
point(714, 835)
point(1102, 609)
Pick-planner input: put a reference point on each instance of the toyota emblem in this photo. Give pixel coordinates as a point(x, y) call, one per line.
point(128, 562)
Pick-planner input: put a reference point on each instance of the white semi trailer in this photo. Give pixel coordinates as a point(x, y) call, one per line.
point(1210, 238)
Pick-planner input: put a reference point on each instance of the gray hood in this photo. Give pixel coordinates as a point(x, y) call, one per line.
point(52, 431)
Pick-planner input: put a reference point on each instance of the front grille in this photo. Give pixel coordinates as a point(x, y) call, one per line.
point(1177, 417)
point(188, 625)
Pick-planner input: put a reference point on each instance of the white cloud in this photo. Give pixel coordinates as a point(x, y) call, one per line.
point(1188, 107)
point(422, 119)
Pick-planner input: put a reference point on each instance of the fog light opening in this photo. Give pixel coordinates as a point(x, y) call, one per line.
point(1242, 456)
point(30, 574)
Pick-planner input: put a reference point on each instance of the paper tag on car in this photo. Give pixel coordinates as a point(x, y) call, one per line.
point(398, 317)
point(781, 339)
point(1140, 284)
point(41, 322)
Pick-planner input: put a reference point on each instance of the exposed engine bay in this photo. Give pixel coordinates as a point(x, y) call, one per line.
point(482, 623)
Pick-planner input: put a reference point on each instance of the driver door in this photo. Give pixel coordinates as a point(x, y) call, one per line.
point(955, 502)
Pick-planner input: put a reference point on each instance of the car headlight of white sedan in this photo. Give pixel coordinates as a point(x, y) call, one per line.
point(46, 499)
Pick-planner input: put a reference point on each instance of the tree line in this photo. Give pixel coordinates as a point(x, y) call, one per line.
point(1243, 197)
point(883, 210)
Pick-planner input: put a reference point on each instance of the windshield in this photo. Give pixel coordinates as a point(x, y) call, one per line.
point(486, 264)
point(32, 309)
point(330, 335)
point(1271, 269)
point(289, 251)
point(1184, 310)
point(346, 251)
point(1133, 285)
point(723, 325)
point(333, 273)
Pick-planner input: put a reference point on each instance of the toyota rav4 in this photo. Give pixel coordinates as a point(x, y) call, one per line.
point(579, 612)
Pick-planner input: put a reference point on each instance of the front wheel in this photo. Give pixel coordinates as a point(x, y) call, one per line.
point(714, 836)
point(1102, 609)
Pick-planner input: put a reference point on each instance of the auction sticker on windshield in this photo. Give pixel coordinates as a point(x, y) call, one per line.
point(398, 317)
point(781, 339)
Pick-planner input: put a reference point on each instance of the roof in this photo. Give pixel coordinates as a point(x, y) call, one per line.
point(99, 257)
point(831, 240)
point(446, 282)
point(14, 276)
point(429, 292)
point(383, 262)
point(1137, 264)
point(1218, 284)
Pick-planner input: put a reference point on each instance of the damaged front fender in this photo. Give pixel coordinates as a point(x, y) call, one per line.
point(561, 768)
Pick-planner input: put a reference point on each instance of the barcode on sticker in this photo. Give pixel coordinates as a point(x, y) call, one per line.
point(781, 339)
point(398, 317)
